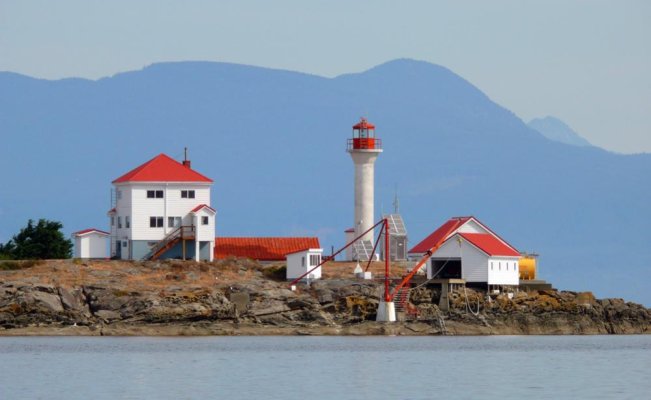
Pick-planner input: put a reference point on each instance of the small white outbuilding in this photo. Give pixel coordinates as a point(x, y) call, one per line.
point(91, 243)
point(300, 262)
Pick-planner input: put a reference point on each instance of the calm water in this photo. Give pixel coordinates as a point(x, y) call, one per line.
point(310, 368)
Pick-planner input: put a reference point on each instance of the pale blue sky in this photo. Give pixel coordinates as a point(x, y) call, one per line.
point(586, 62)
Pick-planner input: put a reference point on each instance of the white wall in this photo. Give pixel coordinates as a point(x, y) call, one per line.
point(134, 203)
point(364, 191)
point(503, 271)
point(299, 263)
point(471, 227)
point(473, 261)
point(91, 245)
point(348, 253)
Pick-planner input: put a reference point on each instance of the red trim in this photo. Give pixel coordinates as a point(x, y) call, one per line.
point(86, 231)
point(111, 211)
point(162, 168)
point(200, 206)
point(437, 236)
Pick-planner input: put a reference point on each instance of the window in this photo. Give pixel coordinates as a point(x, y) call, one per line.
point(187, 194)
point(127, 222)
point(155, 222)
point(173, 222)
point(119, 222)
point(499, 265)
point(204, 220)
point(112, 221)
point(154, 194)
point(491, 265)
point(302, 261)
point(315, 259)
point(124, 243)
point(119, 194)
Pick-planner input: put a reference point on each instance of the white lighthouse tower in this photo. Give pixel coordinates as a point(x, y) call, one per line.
point(364, 148)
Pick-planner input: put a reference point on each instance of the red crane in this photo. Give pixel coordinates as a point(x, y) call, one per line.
point(388, 294)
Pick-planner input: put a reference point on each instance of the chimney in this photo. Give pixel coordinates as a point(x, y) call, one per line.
point(186, 163)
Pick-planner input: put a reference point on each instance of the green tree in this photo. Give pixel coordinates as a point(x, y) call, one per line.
point(41, 241)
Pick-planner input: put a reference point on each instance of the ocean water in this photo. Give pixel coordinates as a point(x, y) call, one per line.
point(311, 368)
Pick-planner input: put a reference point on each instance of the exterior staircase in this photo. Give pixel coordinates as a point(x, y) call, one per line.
point(401, 299)
point(363, 250)
point(169, 241)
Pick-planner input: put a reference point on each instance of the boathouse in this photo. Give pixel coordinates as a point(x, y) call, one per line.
point(469, 251)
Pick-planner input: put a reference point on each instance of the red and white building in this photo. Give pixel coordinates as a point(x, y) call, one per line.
point(162, 210)
point(469, 251)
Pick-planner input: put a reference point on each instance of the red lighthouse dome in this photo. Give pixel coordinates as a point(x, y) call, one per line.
point(364, 137)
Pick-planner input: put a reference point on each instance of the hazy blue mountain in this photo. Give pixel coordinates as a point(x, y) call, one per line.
point(274, 142)
point(554, 129)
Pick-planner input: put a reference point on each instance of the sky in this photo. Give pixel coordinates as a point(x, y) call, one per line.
point(585, 62)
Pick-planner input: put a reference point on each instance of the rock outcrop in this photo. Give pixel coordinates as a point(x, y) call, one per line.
point(196, 299)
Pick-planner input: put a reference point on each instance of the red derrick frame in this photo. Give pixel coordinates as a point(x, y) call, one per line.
point(388, 294)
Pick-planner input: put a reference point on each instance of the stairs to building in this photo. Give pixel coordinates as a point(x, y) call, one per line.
point(169, 241)
point(363, 250)
point(401, 299)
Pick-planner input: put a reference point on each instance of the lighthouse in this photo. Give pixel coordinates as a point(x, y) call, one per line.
point(364, 148)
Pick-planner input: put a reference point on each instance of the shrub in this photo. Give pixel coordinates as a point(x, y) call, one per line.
point(276, 272)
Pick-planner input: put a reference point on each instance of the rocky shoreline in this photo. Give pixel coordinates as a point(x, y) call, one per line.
point(237, 297)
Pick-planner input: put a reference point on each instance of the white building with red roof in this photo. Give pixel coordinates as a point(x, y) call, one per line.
point(469, 250)
point(162, 210)
point(90, 243)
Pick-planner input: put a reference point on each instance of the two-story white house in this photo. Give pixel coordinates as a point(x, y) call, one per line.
point(162, 210)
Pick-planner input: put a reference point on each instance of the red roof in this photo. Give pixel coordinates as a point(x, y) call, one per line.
point(490, 244)
point(363, 124)
point(447, 228)
point(200, 206)
point(262, 248)
point(162, 168)
point(85, 231)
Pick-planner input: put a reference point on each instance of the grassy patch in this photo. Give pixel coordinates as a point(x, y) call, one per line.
point(13, 265)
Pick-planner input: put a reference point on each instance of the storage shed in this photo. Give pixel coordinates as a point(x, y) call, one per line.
point(300, 262)
point(91, 243)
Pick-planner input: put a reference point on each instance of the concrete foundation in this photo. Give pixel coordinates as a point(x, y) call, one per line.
point(386, 311)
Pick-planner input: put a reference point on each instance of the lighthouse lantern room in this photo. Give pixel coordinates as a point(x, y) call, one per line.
point(364, 149)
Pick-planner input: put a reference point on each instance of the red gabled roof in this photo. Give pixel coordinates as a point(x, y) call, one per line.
point(200, 206)
point(450, 226)
point(262, 248)
point(162, 168)
point(85, 231)
point(490, 244)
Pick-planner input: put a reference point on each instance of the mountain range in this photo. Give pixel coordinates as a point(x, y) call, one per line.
point(274, 143)
point(554, 129)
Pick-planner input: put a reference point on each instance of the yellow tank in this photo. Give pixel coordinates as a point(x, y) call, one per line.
point(527, 267)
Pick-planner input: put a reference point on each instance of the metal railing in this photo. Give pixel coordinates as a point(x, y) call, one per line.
point(363, 144)
point(182, 232)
